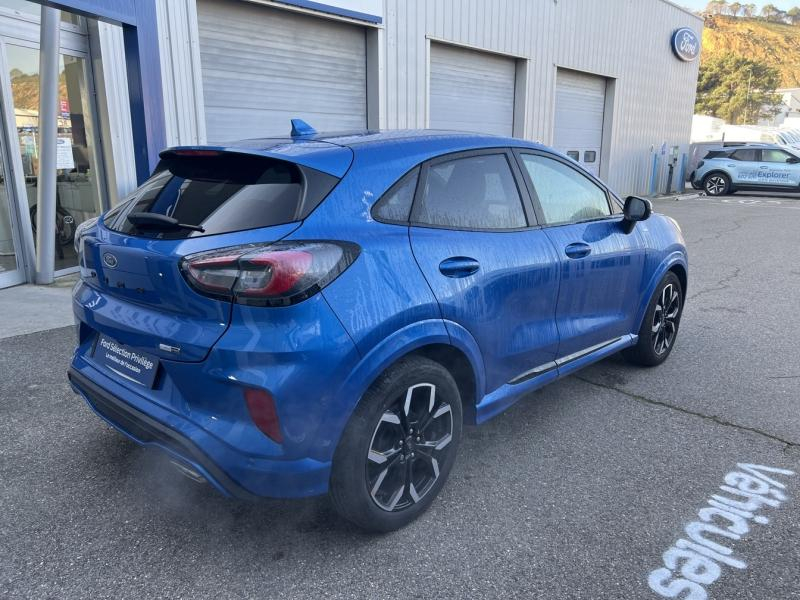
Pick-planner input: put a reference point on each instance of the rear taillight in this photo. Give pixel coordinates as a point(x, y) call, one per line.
point(701, 163)
point(276, 274)
point(261, 407)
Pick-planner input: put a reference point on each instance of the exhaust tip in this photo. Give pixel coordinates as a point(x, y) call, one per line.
point(189, 472)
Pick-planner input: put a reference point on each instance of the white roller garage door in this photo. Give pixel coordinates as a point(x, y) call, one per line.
point(263, 66)
point(471, 91)
point(580, 108)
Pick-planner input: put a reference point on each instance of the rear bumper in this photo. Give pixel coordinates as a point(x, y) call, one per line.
point(233, 473)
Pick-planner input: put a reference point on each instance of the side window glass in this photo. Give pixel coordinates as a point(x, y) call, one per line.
point(565, 195)
point(395, 205)
point(774, 156)
point(745, 155)
point(477, 192)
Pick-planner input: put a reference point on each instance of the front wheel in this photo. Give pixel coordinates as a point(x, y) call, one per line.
point(717, 184)
point(660, 325)
point(399, 446)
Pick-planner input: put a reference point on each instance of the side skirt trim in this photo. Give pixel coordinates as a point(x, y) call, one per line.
point(560, 362)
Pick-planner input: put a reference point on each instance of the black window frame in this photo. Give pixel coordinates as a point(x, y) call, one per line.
point(614, 203)
point(531, 218)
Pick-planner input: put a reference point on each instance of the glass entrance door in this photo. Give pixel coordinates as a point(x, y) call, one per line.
point(11, 272)
point(77, 189)
point(80, 192)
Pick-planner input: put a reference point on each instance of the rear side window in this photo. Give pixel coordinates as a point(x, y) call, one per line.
point(395, 205)
point(746, 155)
point(714, 154)
point(475, 192)
point(223, 193)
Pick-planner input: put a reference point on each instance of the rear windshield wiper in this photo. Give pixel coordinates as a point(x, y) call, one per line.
point(143, 220)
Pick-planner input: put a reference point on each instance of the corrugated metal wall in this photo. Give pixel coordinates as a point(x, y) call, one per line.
point(184, 116)
point(626, 40)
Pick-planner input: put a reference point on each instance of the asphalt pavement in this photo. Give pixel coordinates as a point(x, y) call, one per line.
point(582, 490)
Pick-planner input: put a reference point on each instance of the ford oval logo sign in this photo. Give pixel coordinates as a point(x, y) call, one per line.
point(110, 260)
point(686, 44)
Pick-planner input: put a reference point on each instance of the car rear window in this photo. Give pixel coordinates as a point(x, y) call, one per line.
point(222, 193)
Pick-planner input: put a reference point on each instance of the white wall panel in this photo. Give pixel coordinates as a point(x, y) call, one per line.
point(111, 81)
point(471, 91)
point(262, 66)
point(579, 115)
point(625, 40)
point(184, 117)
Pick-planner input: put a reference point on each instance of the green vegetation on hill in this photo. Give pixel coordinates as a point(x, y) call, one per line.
point(776, 45)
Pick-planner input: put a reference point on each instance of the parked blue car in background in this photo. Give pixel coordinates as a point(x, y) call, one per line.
point(756, 167)
point(290, 317)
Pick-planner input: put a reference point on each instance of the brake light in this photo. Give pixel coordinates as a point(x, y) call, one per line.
point(261, 407)
point(276, 274)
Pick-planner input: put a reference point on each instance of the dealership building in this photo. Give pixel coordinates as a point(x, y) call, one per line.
point(611, 84)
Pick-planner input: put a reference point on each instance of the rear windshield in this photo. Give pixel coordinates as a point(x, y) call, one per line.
point(222, 193)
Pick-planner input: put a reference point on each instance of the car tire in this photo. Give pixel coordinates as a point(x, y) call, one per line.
point(660, 325)
point(385, 473)
point(717, 184)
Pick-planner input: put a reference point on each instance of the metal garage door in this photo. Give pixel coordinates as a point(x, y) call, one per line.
point(262, 66)
point(580, 107)
point(471, 91)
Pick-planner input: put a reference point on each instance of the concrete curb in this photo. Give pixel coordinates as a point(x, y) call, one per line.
point(678, 197)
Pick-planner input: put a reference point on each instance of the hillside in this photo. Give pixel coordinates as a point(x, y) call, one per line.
point(775, 44)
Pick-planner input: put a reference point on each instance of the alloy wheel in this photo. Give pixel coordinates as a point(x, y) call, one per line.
point(410, 441)
point(665, 319)
point(715, 185)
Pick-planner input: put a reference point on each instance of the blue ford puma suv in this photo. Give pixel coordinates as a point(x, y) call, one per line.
point(322, 313)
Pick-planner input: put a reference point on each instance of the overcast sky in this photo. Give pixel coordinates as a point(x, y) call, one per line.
point(700, 4)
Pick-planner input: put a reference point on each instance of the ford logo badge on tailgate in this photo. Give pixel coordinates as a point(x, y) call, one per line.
point(110, 260)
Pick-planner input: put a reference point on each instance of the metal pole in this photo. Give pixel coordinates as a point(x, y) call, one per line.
point(48, 134)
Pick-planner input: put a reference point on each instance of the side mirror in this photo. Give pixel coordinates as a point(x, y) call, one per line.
point(636, 209)
point(792, 160)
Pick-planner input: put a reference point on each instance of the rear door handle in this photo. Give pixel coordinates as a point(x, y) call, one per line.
point(578, 250)
point(459, 266)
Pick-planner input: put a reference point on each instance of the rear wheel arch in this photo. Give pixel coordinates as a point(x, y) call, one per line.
point(455, 361)
point(460, 367)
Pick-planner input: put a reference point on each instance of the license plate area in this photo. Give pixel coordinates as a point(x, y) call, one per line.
point(134, 365)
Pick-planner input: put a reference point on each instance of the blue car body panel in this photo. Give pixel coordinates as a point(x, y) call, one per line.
point(595, 292)
point(513, 321)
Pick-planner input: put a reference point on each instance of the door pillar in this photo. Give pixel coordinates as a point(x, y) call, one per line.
point(49, 41)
